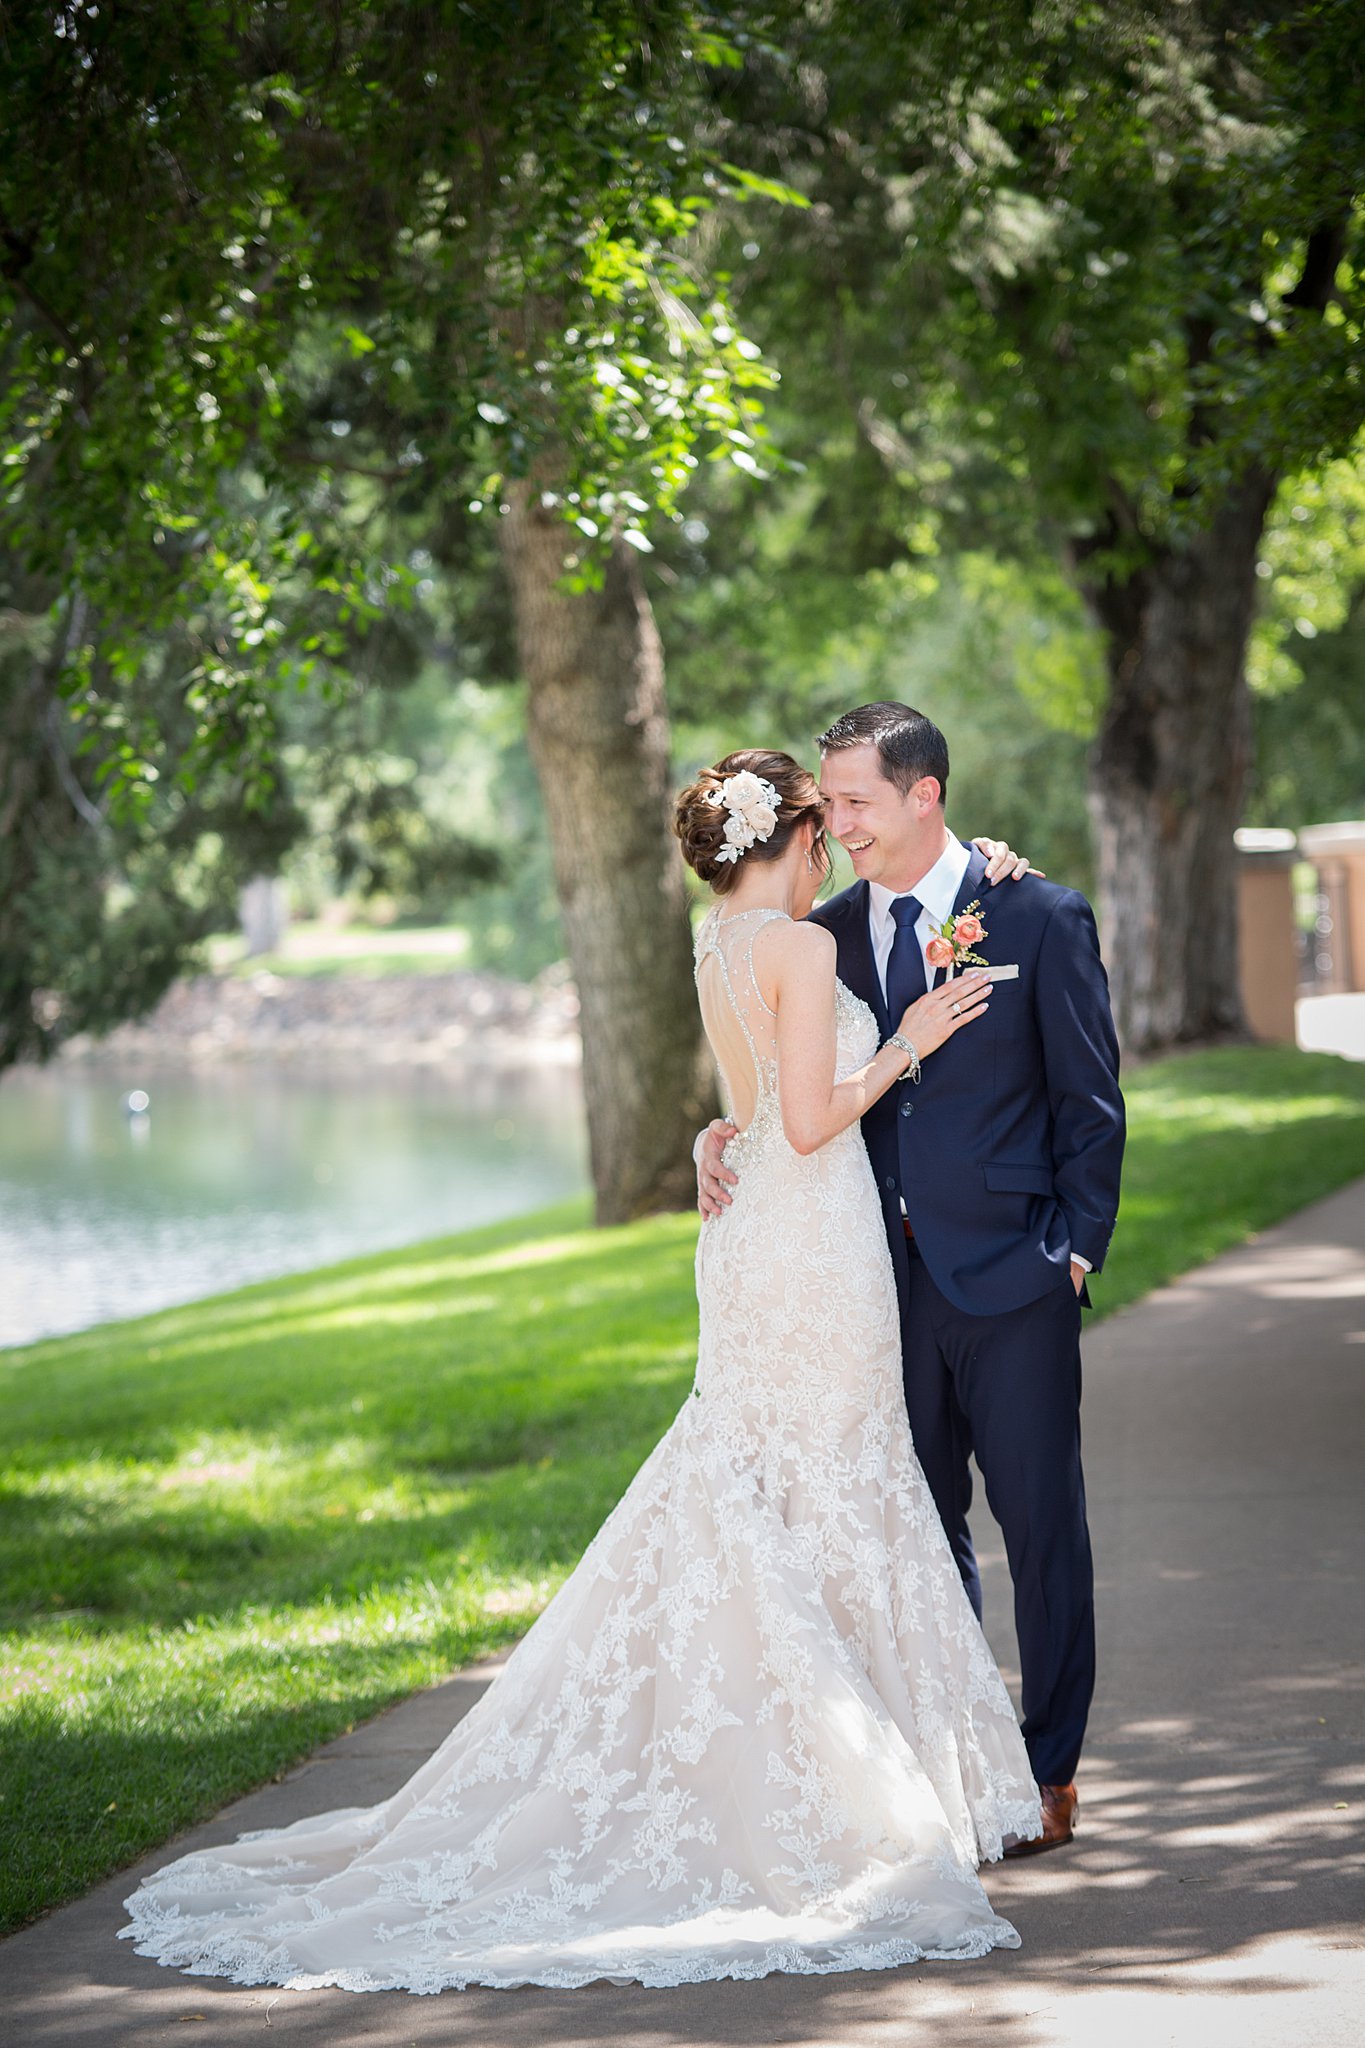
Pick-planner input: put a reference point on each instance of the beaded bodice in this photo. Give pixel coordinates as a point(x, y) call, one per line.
point(729, 939)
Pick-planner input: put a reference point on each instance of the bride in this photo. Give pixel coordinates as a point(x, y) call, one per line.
point(759, 1727)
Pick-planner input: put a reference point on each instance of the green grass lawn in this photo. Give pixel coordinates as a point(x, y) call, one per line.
point(230, 1531)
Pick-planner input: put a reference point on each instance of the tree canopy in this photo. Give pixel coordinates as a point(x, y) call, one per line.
point(226, 230)
point(310, 316)
point(1089, 282)
point(277, 284)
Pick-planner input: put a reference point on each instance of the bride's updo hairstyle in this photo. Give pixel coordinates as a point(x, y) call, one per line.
point(699, 819)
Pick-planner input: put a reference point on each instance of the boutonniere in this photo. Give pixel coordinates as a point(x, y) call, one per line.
point(953, 940)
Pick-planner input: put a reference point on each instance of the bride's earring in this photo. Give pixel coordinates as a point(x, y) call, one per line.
point(810, 864)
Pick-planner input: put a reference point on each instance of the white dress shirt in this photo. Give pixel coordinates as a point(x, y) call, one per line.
point(936, 891)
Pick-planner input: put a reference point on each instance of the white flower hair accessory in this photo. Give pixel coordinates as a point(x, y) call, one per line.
point(753, 805)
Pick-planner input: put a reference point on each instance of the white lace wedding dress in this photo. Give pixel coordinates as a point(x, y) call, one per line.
point(758, 1728)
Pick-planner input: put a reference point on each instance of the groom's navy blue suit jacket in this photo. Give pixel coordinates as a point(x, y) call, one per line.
point(1007, 1153)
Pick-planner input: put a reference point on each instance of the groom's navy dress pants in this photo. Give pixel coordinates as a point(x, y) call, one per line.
point(1008, 1387)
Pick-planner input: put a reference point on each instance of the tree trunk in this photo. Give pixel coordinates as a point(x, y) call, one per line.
point(41, 803)
point(598, 734)
point(1168, 775)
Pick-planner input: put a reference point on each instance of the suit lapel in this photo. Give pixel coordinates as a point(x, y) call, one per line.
point(968, 893)
point(971, 881)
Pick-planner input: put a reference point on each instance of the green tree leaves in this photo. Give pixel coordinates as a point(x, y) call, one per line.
point(254, 262)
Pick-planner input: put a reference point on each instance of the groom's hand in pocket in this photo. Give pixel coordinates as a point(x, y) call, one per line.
point(714, 1178)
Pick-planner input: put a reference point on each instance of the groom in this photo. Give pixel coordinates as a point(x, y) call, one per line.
point(999, 1178)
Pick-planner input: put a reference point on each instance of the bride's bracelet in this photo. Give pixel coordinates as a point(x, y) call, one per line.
point(904, 1045)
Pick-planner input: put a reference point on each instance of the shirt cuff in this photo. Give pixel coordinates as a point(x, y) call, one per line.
point(1084, 1264)
point(697, 1144)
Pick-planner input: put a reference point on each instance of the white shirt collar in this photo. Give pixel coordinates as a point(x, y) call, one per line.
point(936, 891)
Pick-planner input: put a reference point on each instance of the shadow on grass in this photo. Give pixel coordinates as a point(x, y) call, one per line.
point(89, 1571)
point(108, 1791)
point(448, 1372)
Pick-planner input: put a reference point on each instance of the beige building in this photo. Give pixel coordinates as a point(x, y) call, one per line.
point(1267, 938)
point(1338, 854)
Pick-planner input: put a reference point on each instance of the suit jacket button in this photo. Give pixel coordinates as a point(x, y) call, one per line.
point(891, 1182)
point(907, 1109)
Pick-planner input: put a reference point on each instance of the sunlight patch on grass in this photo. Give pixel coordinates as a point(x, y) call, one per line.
point(361, 1315)
point(1168, 1117)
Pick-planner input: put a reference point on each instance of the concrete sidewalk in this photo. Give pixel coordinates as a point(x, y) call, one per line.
point(1217, 1892)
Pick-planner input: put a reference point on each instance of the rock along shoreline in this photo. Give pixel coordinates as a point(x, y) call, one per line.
point(462, 1017)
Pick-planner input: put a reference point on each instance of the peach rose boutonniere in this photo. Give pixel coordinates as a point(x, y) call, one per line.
point(953, 942)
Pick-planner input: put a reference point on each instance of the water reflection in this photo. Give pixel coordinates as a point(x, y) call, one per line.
point(108, 1210)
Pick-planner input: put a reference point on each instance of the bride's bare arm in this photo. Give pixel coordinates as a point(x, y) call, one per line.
point(799, 970)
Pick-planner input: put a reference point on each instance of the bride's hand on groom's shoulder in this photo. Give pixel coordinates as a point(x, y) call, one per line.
point(1003, 863)
point(714, 1178)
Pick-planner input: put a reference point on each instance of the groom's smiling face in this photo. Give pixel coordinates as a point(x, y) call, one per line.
point(884, 833)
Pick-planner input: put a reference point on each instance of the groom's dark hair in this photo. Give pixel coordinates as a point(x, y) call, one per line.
point(909, 745)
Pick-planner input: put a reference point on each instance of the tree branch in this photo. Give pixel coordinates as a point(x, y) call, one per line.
point(884, 438)
point(400, 474)
point(13, 268)
point(1317, 280)
point(76, 617)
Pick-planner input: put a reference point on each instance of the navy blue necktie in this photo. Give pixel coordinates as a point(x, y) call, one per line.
point(905, 982)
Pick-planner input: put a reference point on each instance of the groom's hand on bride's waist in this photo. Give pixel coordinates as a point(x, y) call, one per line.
point(714, 1178)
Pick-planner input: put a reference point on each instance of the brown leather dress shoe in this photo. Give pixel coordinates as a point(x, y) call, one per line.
point(1059, 1822)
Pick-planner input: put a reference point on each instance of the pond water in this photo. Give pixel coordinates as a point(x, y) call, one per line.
point(253, 1171)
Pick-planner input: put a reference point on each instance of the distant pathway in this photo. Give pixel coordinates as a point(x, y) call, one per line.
point(1217, 1893)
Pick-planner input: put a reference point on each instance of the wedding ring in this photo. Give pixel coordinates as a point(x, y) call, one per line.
point(957, 1009)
